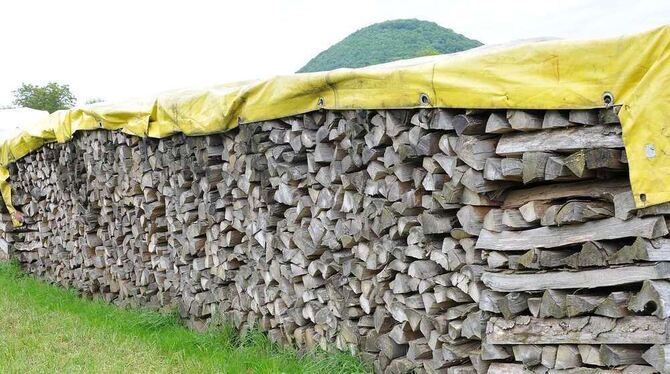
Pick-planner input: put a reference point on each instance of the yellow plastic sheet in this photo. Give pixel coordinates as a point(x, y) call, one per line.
point(561, 74)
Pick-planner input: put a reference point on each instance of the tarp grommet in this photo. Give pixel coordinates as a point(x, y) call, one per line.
point(320, 102)
point(424, 99)
point(608, 99)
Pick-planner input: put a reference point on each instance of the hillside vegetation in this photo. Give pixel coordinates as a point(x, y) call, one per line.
point(389, 41)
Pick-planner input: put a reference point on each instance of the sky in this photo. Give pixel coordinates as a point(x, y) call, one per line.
point(122, 49)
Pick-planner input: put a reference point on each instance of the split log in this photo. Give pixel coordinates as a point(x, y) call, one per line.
point(658, 356)
point(642, 250)
point(523, 120)
point(555, 118)
point(567, 357)
point(497, 123)
point(465, 124)
point(618, 355)
point(653, 298)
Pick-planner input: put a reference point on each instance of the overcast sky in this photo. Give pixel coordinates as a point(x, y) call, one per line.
point(122, 48)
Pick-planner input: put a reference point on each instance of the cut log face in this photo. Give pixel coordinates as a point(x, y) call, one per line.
point(522, 120)
point(497, 123)
point(555, 118)
point(658, 356)
point(654, 297)
point(426, 240)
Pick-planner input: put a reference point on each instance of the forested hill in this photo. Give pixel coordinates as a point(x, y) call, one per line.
point(390, 41)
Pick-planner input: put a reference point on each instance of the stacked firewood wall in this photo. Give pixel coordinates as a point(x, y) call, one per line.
point(457, 241)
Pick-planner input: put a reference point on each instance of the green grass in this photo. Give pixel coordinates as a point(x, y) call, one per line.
point(45, 328)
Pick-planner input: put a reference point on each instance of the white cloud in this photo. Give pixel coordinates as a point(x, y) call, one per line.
point(119, 49)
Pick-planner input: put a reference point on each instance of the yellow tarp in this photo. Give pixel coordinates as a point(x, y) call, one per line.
point(537, 75)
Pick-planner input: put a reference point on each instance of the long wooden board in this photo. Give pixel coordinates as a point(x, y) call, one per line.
point(575, 279)
point(578, 330)
point(566, 139)
point(556, 236)
point(593, 189)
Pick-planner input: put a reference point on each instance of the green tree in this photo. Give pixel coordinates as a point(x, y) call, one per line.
point(51, 97)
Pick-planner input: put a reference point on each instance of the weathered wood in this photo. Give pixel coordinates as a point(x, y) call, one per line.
point(579, 330)
point(553, 304)
point(534, 164)
point(578, 212)
point(512, 304)
point(567, 357)
point(493, 169)
point(598, 190)
point(513, 220)
point(556, 169)
point(576, 279)
point(617, 355)
point(472, 218)
point(560, 140)
point(555, 118)
point(642, 250)
point(529, 355)
point(523, 120)
point(615, 305)
point(511, 168)
point(591, 254)
point(583, 117)
point(533, 211)
point(549, 356)
point(465, 124)
point(360, 229)
point(653, 298)
point(493, 220)
point(502, 368)
point(497, 123)
point(550, 237)
point(474, 150)
point(658, 356)
point(603, 158)
point(590, 354)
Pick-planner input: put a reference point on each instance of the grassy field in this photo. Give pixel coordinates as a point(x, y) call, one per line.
point(44, 328)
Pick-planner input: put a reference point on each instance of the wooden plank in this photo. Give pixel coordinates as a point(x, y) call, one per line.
point(551, 237)
point(561, 140)
point(593, 189)
point(578, 330)
point(574, 279)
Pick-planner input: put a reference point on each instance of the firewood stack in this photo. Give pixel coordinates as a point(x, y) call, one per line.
point(458, 241)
